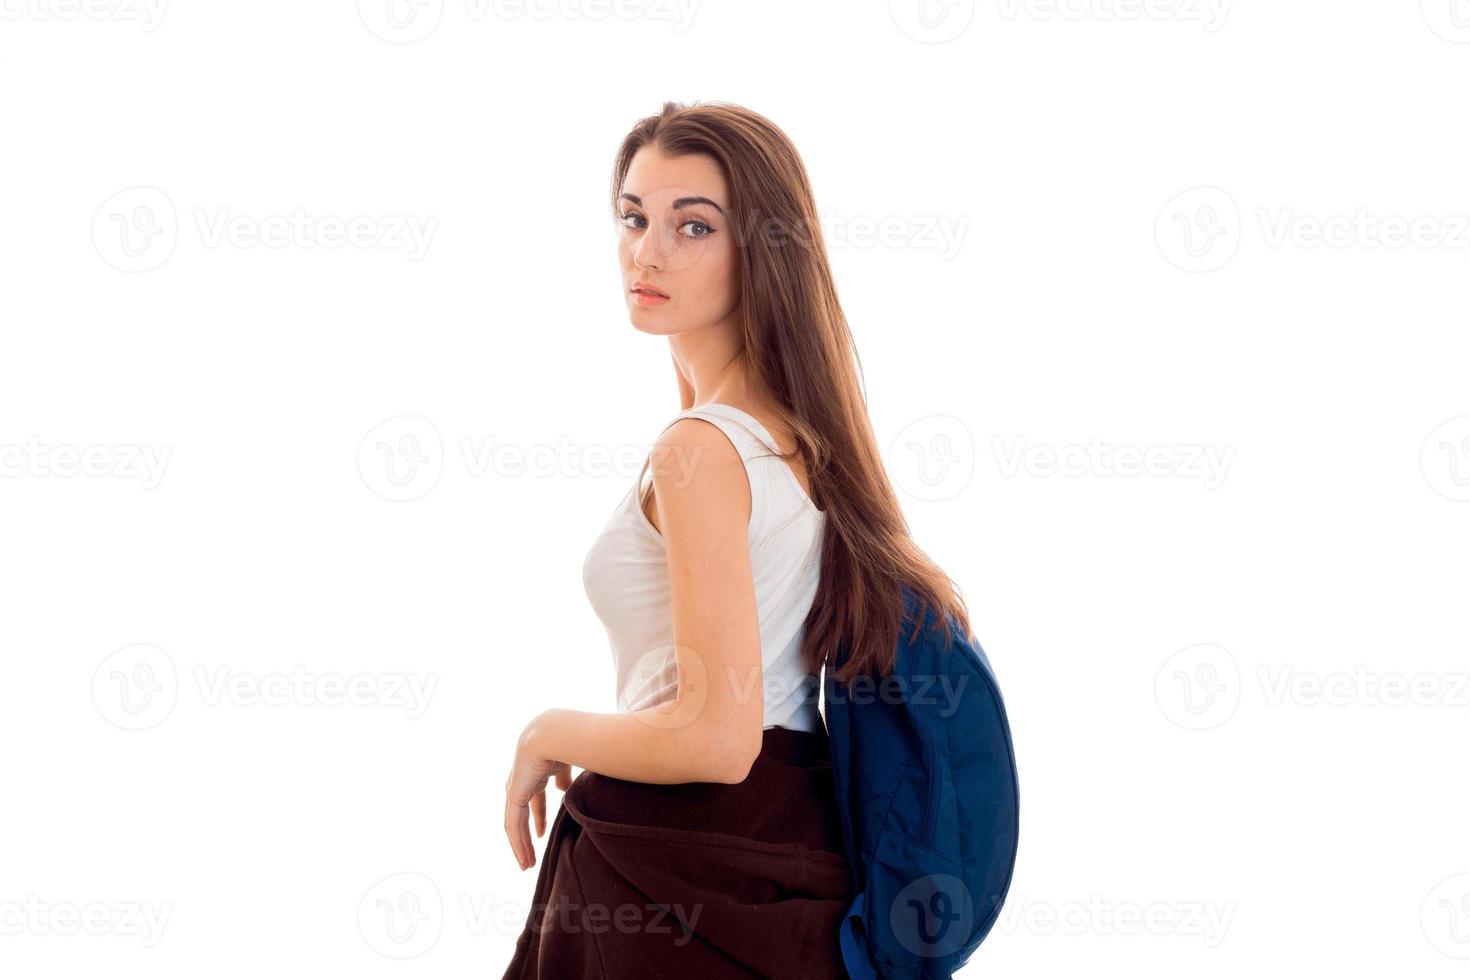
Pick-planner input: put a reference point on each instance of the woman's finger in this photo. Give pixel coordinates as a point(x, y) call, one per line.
point(527, 848)
point(510, 834)
point(538, 810)
point(515, 829)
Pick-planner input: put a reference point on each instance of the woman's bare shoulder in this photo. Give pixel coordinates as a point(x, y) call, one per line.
point(698, 474)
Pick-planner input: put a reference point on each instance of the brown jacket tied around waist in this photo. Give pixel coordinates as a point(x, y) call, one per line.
point(694, 880)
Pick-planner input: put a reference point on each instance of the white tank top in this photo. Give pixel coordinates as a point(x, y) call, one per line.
point(626, 577)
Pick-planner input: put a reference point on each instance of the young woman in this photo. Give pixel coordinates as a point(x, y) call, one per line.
point(702, 838)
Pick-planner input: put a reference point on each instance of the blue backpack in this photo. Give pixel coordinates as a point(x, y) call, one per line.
point(926, 782)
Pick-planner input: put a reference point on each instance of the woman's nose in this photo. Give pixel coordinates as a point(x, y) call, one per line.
point(651, 250)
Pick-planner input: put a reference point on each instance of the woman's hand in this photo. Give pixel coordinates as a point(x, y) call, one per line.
point(525, 792)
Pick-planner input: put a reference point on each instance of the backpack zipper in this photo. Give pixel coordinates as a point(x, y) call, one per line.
point(931, 805)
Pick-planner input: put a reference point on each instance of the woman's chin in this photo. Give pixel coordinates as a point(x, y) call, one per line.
point(649, 321)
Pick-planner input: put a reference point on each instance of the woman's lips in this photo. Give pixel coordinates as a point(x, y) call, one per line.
point(648, 299)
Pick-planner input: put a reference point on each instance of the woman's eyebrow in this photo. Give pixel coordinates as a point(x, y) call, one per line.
point(682, 202)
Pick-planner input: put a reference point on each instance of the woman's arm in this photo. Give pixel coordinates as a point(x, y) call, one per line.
point(639, 746)
point(712, 730)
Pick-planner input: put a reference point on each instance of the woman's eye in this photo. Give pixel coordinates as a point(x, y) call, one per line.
point(693, 228)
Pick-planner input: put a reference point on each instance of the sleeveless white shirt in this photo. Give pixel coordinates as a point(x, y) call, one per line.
point(626, 577)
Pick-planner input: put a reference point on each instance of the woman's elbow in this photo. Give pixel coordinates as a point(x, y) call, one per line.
point(734, 755)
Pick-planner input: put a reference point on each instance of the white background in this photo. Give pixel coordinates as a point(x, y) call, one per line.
point(1189, 230)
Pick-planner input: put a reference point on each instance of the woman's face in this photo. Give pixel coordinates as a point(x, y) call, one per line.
point(673, 237)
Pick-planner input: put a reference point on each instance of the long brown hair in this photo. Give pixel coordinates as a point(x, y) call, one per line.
point(797, 345)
